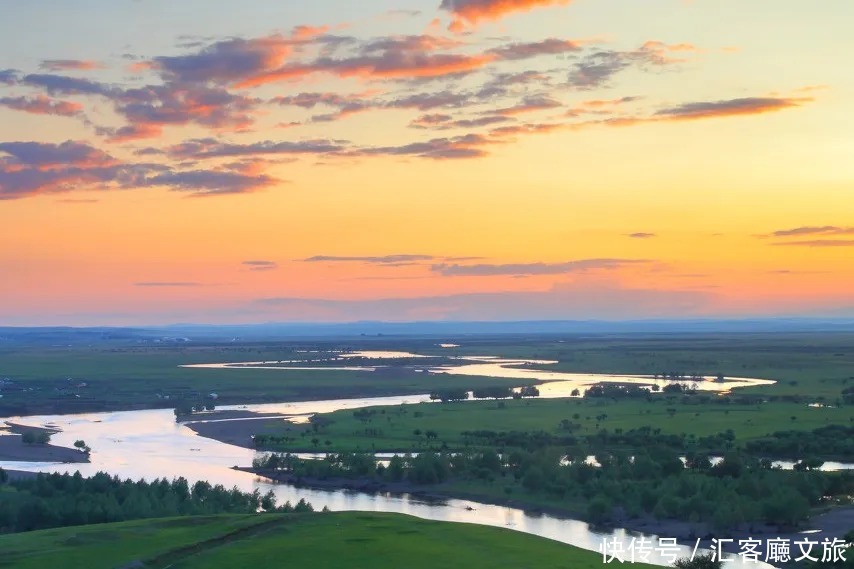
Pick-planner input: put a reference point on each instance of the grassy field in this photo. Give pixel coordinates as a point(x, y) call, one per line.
point(119, 375)
point(818, 364)
point(394, 427)
point(136, 378)
point(112, 545)
point(329, 541)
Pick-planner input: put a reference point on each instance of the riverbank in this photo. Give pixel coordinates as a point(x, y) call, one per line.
point(234, 427)
point(13, 448)
point(834, 523)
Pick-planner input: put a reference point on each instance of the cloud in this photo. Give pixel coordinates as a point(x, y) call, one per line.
point(44, 156)
point(62, 85)
point(458, 147)
point(729, 107)
point(208, 182)
point(530, 104)
point(813, 230)
point(212, 148)
point(597, 69)
point(150, 108)
point(641, 235)
point(261, 265)
point(381, 260)
point(8, 76)
point(528, 128)
point(601, 106)
point(228, 61)
point(430, 101)
point(32, 168)
point(444, 122)
point(204, 86)
point(346, 105)
point(434, 120)
point(489, 270)
point(482, 121)
point(551, 46)
point(394, 57)
point(41, 105)
point(70, 64)
point(817, 243)
point(469, 13)
point(309, 100)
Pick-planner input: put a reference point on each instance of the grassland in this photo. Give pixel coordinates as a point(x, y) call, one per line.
point(818, 364)
point(402, 428)
point(327, 541)
point(125, 375)
point(49, 380)
point(113, 545)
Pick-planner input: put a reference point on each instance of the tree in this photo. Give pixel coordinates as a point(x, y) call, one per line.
point(36, 438)
point(450, 395)
point(493, 393)
point(530, 391)
point(534, 479)
point(82, 446)
point(396, 469)
point(268, 502)
point(4, 476)
point(599, 509)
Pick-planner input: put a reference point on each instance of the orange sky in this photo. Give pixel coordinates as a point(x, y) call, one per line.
point(477, 159)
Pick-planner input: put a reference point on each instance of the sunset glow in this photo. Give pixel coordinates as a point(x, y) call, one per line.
point(221, 162)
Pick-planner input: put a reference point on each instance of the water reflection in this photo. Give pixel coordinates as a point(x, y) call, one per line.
point(560, 384)
point(149, 444)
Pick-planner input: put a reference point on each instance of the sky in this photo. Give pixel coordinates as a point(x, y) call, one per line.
point(214, 161)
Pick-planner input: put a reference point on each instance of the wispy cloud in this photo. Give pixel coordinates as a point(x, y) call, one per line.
point(597, 69)
point(641, 235)
point(31, 168)
point(261, 265)
point(527, 50)
point(730, 107)
point(468, 13)
point(212, 148)
point(70, 64)
point(529, 105)
point(813, 230)
point(817, 243)
point(581, 265)
point(42, 105)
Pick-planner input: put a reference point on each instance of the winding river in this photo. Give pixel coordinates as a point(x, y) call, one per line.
point(150, 444)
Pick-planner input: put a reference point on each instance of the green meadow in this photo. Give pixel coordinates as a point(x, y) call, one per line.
point(400, 428)
point(325, 541)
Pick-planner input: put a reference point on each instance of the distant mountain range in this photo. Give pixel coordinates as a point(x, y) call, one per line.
point(444, 329)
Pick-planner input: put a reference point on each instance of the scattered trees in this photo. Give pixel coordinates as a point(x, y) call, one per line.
point(33, 437)
point(55, 500)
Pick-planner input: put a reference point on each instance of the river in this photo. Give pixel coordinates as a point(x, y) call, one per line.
point(150, 444)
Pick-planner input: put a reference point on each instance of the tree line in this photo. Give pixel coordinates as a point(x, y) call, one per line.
point(653, 481)
point(448, 395)
point(57, 500)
